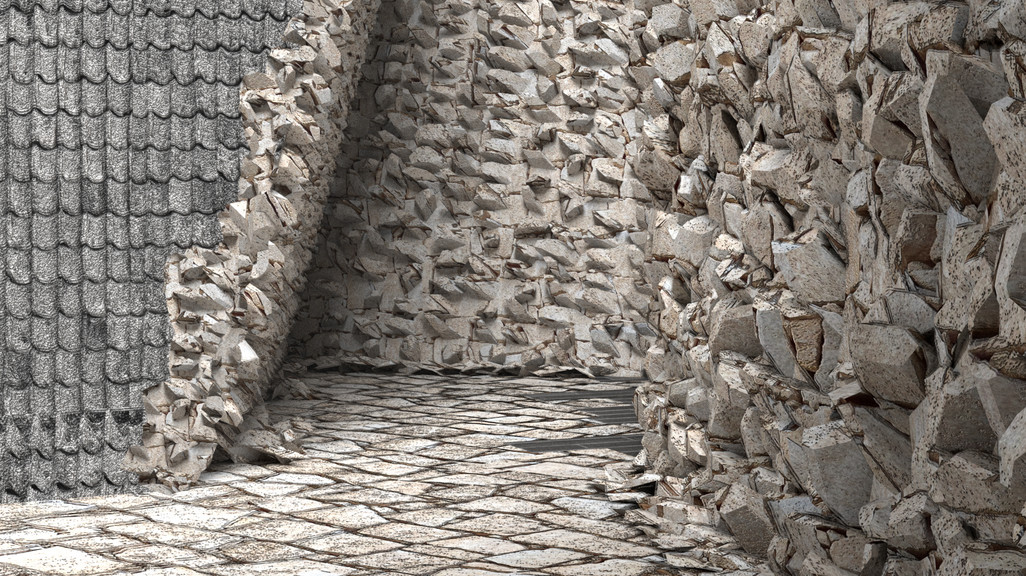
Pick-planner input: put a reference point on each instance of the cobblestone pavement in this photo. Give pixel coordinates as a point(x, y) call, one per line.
point(400, 475)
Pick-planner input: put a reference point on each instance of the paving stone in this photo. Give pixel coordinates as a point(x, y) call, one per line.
point(428, 517)
point(503, 504)
point(481, 544)
point(163, 555)
point(592, 508)
point(288, 504)
point(193, 516)
point(63, 561)
point(352, 517)
point(403, 561)
point(173, 535)
point(256, 551)
point(282, 568)
point(349, 544)
point(498, 524)
point(537, 558)
point(280, 530)
point(408, 532)
point(268, 489)
point(583, 542)
point(614, 567)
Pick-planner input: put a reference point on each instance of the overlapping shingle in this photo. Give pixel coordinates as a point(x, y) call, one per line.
point(123, 138)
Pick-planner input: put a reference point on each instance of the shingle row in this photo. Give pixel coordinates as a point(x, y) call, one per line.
point(83, 131)
point(173, 99)
point(144, 166)
point(112, 200)
point(139, 30)
point(80, 380)
point(230, 9)
point(97, 232)
point(68, 300)
point(68, 199)
point(26, 63)
point(81, 458)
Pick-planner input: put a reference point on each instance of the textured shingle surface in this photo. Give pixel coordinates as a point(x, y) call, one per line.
point(123, 137)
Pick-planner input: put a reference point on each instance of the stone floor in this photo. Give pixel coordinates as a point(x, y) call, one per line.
point(400, 475)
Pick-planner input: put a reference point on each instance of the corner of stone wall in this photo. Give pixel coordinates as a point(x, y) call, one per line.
point(232, 306)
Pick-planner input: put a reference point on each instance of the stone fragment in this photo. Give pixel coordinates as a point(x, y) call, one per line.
point(745, 514)
point(810, 269)
point(966, 562)
point(733, 328)
point(891, 362)
point(969, 482)
point(674, 62)
point(838, 470)
point(961, 88)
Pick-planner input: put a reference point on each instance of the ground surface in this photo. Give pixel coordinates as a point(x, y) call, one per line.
point(401, 475)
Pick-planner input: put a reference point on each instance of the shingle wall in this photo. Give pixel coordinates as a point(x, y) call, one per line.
point(123, 141)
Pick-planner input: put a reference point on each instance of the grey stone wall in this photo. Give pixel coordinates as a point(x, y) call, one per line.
point(494, 195)
point(801, 219)
point(853, 378)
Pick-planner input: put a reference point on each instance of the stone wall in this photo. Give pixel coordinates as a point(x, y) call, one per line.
point(232, 306)
point(848, 269)
point(801, 219)
point(494, 194)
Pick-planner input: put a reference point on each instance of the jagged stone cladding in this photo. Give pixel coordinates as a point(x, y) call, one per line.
point(494, 194)
point(231, 302)
point(122, 137)
point(847, 259)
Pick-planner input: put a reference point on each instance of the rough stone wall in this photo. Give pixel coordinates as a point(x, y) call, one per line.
point(494, 194)
point(847, 262)
point(231, 305)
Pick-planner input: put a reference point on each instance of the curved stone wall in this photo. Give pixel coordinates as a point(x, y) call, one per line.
point(232, 305)
point(848, 294)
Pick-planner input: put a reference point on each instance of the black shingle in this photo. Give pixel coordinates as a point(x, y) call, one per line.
point(44, 299)
point(69, 332)
point(18, 299)
point(94, 298)
point(19, 266)
point(19, 230)
point(118, 267)
point(44, 265)
point(69, 300)
point(44, 230)
point(45, 200)
point(94, 261)
point(45, 62)
point(93, 441)
point(69, 263)
point(43, 367)
point(117, 373)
